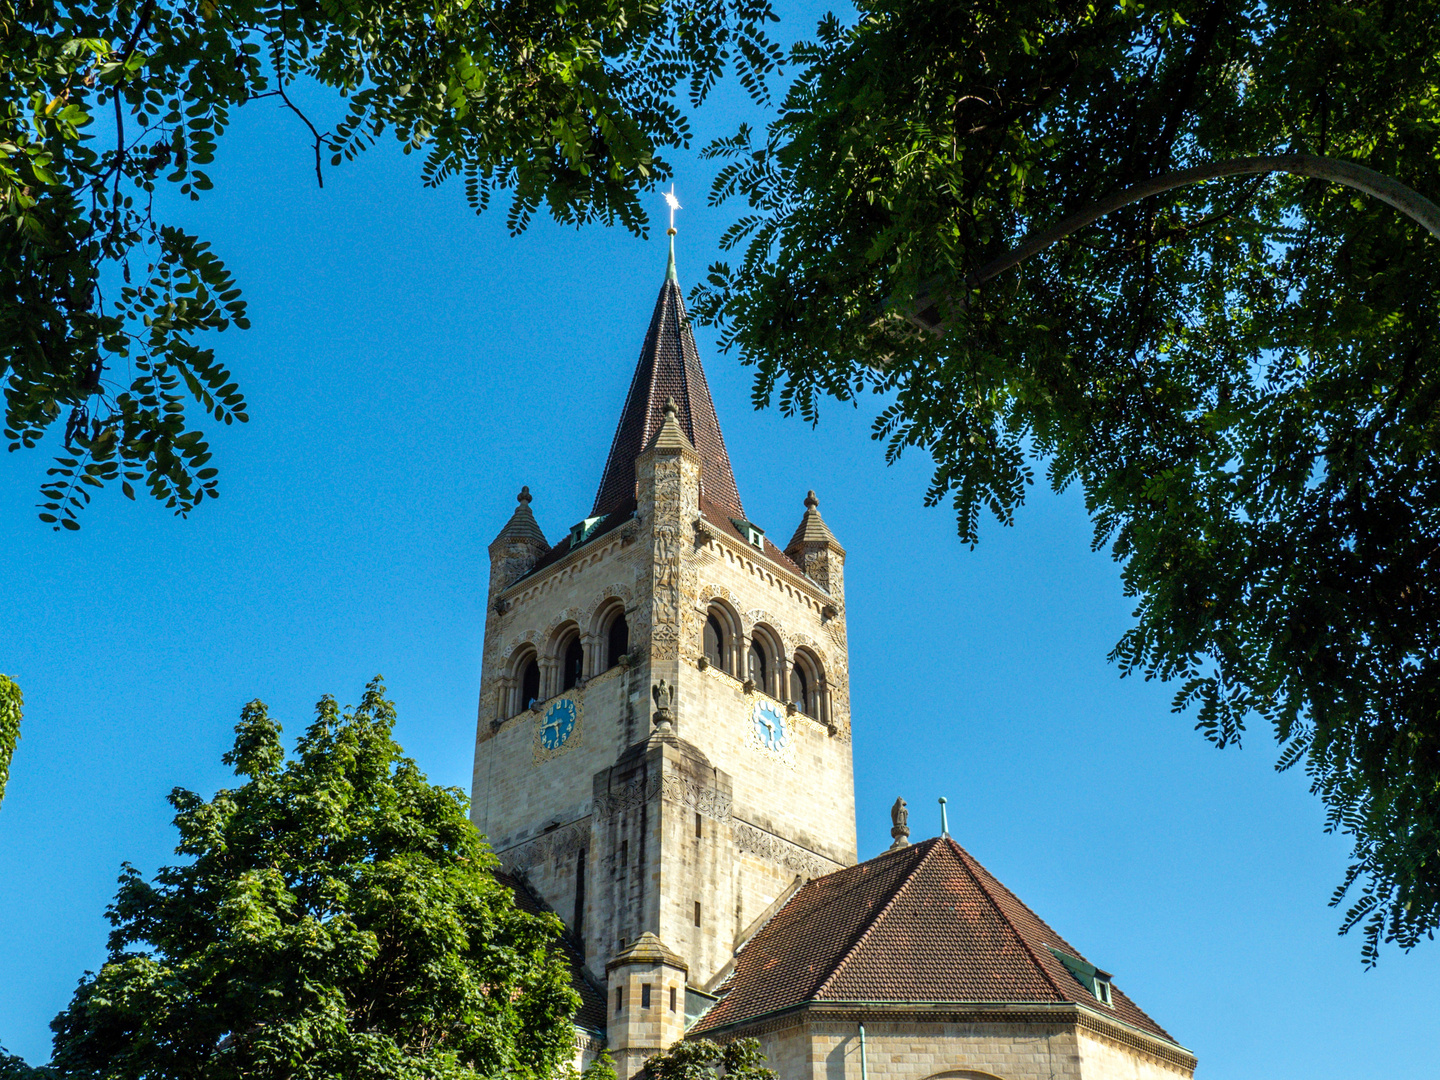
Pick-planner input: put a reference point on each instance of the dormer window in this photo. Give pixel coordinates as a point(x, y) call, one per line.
point(753, 534)
point(1087, 975)
point(581, 531)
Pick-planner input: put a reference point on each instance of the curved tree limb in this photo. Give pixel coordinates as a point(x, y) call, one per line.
point(928, 312)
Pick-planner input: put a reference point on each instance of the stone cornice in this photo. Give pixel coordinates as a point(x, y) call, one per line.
point(798, 580)
point(602, 545)
point(947, 1012)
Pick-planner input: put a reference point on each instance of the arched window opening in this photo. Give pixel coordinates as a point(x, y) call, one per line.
point(800, 691)
point(758, 667)
point(715, 650)
point(529, 683)
point(617, 641)
point(574, 665)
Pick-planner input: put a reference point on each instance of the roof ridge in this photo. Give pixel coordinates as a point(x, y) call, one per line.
point(874, 922)
point(965, 859)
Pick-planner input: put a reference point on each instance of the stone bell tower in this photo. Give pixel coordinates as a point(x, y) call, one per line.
point(663, 747)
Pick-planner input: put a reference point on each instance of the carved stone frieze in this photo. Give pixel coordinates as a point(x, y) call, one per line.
point(559, 843)
point(704, 800)
point(631, 796)
point(763, 845)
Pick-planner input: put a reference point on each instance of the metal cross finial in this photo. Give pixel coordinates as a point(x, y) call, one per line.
point(674, 205)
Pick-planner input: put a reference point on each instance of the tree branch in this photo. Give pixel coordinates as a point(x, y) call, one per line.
point(929, 309)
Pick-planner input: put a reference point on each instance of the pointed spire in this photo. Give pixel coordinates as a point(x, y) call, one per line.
point(668, 369)
point(670, 437)
point(522, 525)
point(812, 529)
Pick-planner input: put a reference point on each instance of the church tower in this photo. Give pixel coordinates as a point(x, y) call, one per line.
point(663, 746)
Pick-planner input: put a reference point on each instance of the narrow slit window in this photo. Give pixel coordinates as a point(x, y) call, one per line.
point(578, 922)
point(644, 995)
point(672, 999)
point(697, 912)
point(699, 825)
point(619, 998)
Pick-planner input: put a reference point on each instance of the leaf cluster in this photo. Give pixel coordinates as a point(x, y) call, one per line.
point(567, 105)
point(337, 916)
point(12, 702)
point(704, 1059)
point(1242, 375)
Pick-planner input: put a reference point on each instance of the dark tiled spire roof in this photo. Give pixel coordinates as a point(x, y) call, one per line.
point(669, 367)
point(919, 924)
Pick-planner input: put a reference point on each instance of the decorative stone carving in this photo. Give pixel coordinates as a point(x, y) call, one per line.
point(900, 828)
point(630, 797)
point(703, 799)
point(567, 840)
point(752, 841)
point(664, 695)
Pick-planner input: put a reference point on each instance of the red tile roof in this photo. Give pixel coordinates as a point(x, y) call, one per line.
point(926, 923)
point(669, 367)
point(716, 515)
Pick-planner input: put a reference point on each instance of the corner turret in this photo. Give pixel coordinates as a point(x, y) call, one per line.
point(816, 551)
point(519, 547)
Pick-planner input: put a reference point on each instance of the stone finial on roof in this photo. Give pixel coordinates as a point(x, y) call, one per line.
point(671, 435)
point(812, 529)
point(899, 821)
point(522, 528)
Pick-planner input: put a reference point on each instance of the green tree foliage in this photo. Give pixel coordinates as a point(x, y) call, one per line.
point(11, 701)
point(338, 918)
point(706, 1060)
point(14, 1067)
point(1242, 375)
point(105, 308)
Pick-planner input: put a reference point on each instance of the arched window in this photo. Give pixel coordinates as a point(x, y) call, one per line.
point(715, 650)
point(574, 664)
point(800, 691)
point(758, 666)
point(617, 641)
point(805, 683)
point(529, 684)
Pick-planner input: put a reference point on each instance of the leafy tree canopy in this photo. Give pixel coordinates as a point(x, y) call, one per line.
point(14, 1067)
point(104, 307)
point(338, 917)
point(1242, 375)
point(703, 1059)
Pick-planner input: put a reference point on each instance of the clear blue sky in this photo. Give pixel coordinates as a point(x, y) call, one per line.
point(409, 368)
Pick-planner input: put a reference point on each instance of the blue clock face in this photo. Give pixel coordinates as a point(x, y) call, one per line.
point(770, 726)
point(559, 723)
